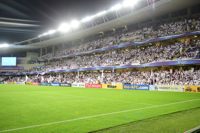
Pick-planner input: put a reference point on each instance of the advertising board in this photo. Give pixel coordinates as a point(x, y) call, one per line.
point(118, 86)
point(93, 86)
point(191, 88)
point(80, 85)
point(177, 88)
point(136, 87)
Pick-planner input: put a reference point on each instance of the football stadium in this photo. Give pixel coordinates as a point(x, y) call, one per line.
point(99, 66)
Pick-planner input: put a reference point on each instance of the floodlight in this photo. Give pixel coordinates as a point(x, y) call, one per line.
point(4, 45)
point(45, 34)
point(75, 24)
point(101, 13)
point(129, 3)
point(116, 7)
point(64, 28)
point(87, 19)
point(40, 35)
point(50, 32)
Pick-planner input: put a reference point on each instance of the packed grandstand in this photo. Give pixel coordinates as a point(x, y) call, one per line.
point(163, 52)
point(186, 48)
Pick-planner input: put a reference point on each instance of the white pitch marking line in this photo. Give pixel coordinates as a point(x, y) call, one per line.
point(94, 116)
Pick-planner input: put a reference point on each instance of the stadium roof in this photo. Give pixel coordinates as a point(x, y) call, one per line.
point(24, 19)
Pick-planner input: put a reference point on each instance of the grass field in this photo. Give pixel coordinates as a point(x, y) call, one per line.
point(37, 109)
point(177, 122)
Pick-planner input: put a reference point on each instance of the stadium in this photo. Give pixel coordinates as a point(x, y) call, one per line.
point(100, 66)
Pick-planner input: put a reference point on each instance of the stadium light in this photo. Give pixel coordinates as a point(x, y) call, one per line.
point(64, 28)
point(87, 19)
point(40, 35)
point(4, 45)
point(50, 32)
point(116, 7)
point(129, 3)
point(101, 13)
point(75, 24)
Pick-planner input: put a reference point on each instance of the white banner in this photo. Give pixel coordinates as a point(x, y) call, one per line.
point(177, 88)
point(80, 85)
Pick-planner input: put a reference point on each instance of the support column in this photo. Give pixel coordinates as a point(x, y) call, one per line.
point(113, 70)
point(40, 52)
point(102, 75)
point(104, 20)
point(188, 12)
point(78, 76)
point(46, 50)
point(152, 77)
point(117, 14)
point(170, 16)
point(53, 50)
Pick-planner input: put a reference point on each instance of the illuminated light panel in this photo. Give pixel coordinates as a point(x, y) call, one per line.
point(50, 32)
point(116, 7)
point(75, 24)
point(87, 19)
point(64, 28)
point(129, 3)
point(101, 13)
point(4, 45)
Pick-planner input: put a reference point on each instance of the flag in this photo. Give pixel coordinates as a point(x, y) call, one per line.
point(26, 78)
point(150, 2)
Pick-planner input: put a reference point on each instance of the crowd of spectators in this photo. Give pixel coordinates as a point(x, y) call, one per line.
point(158, 77)
point(158, 30)
point(167, 77)
point(129, 56)
point(2, 78)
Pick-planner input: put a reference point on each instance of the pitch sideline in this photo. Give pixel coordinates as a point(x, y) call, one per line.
point(95, 116)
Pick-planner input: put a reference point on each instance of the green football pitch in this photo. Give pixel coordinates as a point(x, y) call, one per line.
point(39, 109)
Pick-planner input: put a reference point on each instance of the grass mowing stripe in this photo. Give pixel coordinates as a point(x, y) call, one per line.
point(166, 123)
point(95, 116)
point(84, 97)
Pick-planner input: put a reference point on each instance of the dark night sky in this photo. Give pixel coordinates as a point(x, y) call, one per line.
point(48, 13)
point(56, 10)
point(50, 10)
